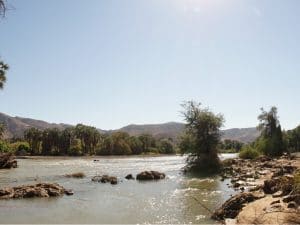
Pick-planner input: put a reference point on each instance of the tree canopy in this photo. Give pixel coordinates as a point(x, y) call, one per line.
point(271, 139)
point(202, 136)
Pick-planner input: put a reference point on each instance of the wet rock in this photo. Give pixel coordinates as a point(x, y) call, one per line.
point(292, 205)
point(69, 192)
point(8, 161)
point(150, 175)
point(278, 172)
point(105, 179)
point(129, 177)
point(30, 191)
point(233, 206)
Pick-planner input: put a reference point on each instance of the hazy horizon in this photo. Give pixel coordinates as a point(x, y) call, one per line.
point(113, 63)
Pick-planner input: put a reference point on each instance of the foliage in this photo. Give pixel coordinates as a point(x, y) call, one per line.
point(4, 147)
point(20, 147)
point(3, 69)
point(271, 139)
point(248, 152)
point(166, 147)
point(292, 139)
point(202, 136)
point(2, 129)
point(230, 146)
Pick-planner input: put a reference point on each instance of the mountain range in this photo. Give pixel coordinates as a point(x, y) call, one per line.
point(15, 127)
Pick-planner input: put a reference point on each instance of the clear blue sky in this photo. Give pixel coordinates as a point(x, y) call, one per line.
point(112, 63)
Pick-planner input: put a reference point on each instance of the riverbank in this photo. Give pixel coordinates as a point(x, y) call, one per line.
point(267, 194)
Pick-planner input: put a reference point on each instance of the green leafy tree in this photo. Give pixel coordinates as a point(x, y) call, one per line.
point(34, 137)
point(148, 142)
point(203, 131)
point(3, 70)
point(2, 129)
point(292, 138)
point(136, 145)
point(271, 139)
point(166, 147)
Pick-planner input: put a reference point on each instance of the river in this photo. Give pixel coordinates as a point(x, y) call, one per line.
point(172, 200)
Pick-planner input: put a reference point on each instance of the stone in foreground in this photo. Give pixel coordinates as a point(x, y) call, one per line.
point(232, 207)
point(150, 175)
point(36, 190)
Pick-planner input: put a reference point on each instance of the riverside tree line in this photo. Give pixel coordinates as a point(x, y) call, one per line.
point(85, 140)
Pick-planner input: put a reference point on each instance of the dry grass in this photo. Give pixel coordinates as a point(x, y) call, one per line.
point(75, 175)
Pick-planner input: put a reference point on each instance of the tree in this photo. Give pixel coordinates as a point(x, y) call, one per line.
point(203, 135)
point(34, 137)
point(136, 145)
point(292, 138)
point(271, 140)
point(2, 129)
point(2, 8)
point(3, 69)
point(166, 147)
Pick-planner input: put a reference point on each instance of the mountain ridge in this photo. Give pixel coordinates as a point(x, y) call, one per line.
point(15, 127)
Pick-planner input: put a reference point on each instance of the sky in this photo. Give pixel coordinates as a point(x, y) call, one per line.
point(110, 63)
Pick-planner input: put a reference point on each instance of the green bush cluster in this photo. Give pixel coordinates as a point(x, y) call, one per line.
point(249, 152)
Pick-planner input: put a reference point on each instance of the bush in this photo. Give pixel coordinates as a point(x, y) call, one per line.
point(248, 152)
point(4, 147)
point(20, 148)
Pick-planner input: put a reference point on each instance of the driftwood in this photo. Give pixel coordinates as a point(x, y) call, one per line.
point(7, 161)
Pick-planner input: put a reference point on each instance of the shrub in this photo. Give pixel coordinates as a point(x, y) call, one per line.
point(4, 147)
point(248, 152)
point(20, 148)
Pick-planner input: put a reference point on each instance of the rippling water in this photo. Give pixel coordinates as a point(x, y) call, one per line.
point(173, 200)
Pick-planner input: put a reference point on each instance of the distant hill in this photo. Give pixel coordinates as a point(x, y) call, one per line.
point(15, 126)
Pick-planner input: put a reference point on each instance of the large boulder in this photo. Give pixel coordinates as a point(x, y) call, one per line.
point(150, 175)
point(7, 161)
point(35, 190)
point(232, 207)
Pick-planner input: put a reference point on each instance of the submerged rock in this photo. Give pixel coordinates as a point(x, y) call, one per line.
point(105, 179)
point(35, 190)
point(150, 175)
point(233, 206)
point(8, 161)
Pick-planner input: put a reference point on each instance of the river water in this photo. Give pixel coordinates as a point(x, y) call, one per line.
point(172, 200)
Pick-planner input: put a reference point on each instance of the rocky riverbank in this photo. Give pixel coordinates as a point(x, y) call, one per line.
point(267, 191)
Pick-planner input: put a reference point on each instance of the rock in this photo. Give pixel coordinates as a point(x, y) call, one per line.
point(284, 184)
point(129, 177)
point(290, 198)
point(150, 175)
point(292, 205)
point(233, 206)
point(69, 192)
point(277, 194)
point(8, 161)
point(256, 188)
point(75, 175)
point(275, 202)
point(278, 172)
point(105, 179)
point(242, 188)
point(30, 191)
point(236, 185)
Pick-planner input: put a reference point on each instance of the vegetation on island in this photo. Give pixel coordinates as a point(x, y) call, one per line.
point(201, 138)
